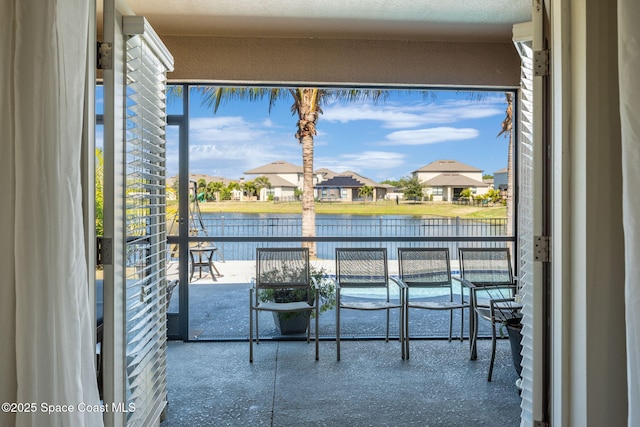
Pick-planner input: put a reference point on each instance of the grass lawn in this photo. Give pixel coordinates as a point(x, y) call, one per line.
point(440, 209)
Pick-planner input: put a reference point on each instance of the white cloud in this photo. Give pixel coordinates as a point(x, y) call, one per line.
point(229, 145)
point(429, 136)
point(414, 115)
point(268, 123)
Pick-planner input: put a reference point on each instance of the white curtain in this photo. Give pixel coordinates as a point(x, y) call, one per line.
point(629, 73)
point(46, 350)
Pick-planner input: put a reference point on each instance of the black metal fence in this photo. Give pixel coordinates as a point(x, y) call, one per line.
point(238, 238)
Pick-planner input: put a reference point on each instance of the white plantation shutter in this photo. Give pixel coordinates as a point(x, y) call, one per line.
point(525, 223)
point(530, 219)
point(147, 62)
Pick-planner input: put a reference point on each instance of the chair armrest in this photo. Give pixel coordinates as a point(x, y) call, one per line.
point(465, 282)
point(398, 282)
point(495, 307)
point(495, 302)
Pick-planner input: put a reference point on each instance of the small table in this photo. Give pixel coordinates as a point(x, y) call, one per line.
point(202, 256)
point(473, 316)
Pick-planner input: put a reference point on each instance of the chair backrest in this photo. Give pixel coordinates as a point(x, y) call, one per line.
point(424, 267)
point(486, 266)
point(362, 267)
point(282, 268)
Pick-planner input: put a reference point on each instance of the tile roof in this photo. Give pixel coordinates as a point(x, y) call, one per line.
point(363, 179)
point(447, 166)
point(279, 166)
point(277, 181)
point(327, 173)
point(454, 180)
point(341, 181)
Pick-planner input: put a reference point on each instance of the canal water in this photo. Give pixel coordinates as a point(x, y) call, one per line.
point(352, 226)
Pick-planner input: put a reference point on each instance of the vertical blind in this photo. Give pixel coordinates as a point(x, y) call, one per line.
point(526, 225)
point(145, 225)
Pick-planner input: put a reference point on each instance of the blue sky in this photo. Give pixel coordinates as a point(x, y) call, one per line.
point(387, 140)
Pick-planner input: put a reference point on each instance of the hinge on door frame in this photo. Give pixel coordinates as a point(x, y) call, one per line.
point(104, 56)
point(104, 251)
point(541, 248)
point(541, 62)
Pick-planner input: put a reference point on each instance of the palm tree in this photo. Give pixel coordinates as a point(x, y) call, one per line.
point(232, 187)
point(307, 104)
point(249, 187)
point(260, 183)
point(507, 131)
point(365, 192)
point(213, 190)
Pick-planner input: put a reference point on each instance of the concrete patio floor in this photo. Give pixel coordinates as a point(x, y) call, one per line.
point(213, 384)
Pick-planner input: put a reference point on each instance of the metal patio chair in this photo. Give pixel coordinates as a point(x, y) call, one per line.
point(283, 284)
point(362, 269)
point(428, 269)
point(492, 291)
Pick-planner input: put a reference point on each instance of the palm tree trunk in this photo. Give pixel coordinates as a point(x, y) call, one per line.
point(308, 115)
point(510, 185)
point(308, 203)
point(507, 130)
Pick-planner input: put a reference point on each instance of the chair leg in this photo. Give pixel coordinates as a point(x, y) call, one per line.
point(450, 324)
point(257, 328)
point(406, 332)
point(387, 340)
point(338, 330)
point(403, 334)
point(317, 331)
point(250, 332)
point(493, 349)
point(473, 336)
point(461, 324)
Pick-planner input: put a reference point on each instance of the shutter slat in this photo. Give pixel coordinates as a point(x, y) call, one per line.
point(146, 233)
point(526, 228)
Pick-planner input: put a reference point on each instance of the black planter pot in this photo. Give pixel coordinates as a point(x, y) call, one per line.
point(292, 323)
point(515, 339)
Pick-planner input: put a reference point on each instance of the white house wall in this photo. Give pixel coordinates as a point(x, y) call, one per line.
point(294, 178)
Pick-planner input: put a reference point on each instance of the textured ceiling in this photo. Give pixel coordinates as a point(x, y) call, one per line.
point(455, 20)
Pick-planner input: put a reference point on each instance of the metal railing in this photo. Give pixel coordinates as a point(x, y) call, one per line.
point(238, 238)
point(211, 317)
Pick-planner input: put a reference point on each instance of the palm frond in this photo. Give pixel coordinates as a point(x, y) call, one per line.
point(214, 96)
point(507, 123)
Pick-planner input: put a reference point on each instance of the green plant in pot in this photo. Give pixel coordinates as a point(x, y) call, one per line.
point(297, 322)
